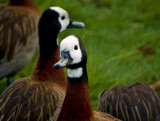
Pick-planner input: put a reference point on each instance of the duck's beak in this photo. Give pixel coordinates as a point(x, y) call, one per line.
point(64, 61)
point(75, 24)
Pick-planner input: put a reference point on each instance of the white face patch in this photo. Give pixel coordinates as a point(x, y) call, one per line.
point(63, 17)
point(75, 73)
point(71, 44)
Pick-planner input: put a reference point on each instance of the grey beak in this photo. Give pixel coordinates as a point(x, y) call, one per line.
point(75, 24)
point(61, 63)
point(64, 61)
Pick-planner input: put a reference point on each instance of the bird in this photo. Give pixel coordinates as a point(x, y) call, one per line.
point(39, 96)
point(134, 102)
point(18, 36)
point(77, 103)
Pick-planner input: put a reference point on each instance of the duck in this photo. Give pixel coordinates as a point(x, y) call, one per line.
point(18, 36)
point(39, 97)
point(133, 102)
point(77, 103)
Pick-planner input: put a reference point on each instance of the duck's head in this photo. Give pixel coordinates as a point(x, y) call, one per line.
point(72, 53)
point(56, 20)
point(53, 21)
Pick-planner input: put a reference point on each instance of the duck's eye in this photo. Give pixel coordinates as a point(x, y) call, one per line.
point(63, 17)
point(75, 47)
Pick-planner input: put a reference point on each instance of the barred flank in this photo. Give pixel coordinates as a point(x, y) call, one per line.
point(137, 102)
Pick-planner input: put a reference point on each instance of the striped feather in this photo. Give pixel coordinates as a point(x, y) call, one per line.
point(28, 100)
point(137, 102)
point(100, 116)
point(16, 25)
point(18, 38)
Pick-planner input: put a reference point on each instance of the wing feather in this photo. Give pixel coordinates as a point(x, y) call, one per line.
point(100, 116)
point(30, 101)
point(17, 24)
point(137, 102)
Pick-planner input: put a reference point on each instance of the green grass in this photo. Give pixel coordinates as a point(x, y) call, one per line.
point(114, 31)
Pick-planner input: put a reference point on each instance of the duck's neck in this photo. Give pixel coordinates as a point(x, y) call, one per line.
point(77, 104)
point(49, 55)
point(26, 3)
point(48, 42)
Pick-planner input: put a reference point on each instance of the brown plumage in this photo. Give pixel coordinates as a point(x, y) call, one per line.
point(18, 36)
point(39, 97)
point(136, 102)
point(31, 100)
point(77, 104)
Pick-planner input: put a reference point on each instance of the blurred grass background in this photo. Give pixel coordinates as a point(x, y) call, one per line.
point(114, 32)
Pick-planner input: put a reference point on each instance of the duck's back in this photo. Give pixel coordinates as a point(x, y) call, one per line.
point(18, 38)
point(137, 102)
point(100, 116)
point(31, 100)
